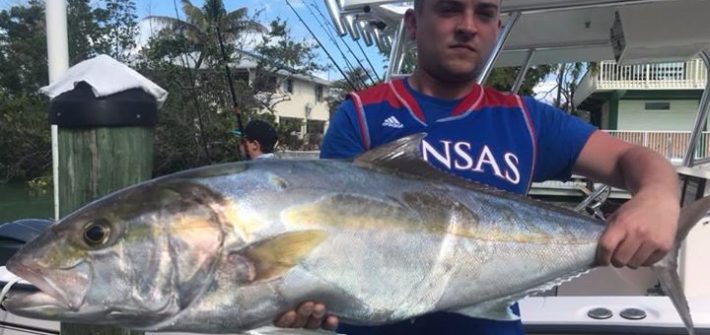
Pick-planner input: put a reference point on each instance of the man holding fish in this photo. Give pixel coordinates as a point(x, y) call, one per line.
point(502, 140)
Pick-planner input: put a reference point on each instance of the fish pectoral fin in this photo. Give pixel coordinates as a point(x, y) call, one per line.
point(274, 256)
point(499, 310)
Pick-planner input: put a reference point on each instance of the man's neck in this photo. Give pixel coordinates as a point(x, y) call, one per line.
point(423, 83)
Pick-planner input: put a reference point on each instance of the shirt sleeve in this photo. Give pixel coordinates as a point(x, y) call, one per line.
point(342, 139)
point(560, 139)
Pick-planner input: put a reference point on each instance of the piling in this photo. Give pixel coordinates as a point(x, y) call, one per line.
point(105, 144)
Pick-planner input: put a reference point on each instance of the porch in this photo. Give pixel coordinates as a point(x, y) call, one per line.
point(671, 144)
point(609, 76)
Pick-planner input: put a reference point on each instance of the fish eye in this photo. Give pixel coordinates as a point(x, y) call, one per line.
point(97, 232)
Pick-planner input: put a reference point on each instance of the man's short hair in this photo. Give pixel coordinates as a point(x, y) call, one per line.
point(263, 133)
point(419, 3)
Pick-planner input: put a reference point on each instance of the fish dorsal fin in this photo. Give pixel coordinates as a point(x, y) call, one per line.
point(405, 156)
point(270, 258)
point(401, 155)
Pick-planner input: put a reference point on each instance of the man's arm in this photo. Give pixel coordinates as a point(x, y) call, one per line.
point(642, 230)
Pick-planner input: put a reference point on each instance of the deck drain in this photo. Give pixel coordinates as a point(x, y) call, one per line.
point(599, 313)
point(633, 314)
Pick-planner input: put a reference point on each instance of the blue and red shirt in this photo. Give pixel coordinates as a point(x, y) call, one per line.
point(503, 140)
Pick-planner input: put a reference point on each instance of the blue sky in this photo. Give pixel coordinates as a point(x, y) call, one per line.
point(271, 9)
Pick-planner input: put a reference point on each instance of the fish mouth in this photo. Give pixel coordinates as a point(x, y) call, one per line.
point(49, 293)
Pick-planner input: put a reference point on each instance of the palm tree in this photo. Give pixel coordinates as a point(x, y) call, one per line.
point(206, 29)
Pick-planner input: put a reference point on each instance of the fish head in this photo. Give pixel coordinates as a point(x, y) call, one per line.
point(134, 258)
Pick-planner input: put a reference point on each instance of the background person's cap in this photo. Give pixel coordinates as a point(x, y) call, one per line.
point(262, 132)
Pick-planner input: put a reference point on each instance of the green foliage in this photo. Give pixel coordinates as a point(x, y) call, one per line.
point(25, 140)
point(108, 27)
point(278, 53)
point(25, 151)
point(197, 122)
point(340, 88)
point(503, 78)
point(23, 51)
point(409, 63)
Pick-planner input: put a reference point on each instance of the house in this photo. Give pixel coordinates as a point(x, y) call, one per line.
point(297, 100)
point(654, 105)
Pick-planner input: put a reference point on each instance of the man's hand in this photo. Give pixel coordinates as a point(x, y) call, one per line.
point(641, 231)
point(310, 315)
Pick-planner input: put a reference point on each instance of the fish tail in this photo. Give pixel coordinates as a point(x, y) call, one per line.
point(667, 268)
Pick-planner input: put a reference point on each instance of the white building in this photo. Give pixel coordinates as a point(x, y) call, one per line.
point(297, 100)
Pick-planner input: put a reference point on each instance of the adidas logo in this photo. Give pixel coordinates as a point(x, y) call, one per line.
point(392, 122)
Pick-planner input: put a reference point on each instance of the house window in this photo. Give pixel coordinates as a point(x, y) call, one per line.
point(241, 76)
point(315, 127)
point(658, 106)
point(265, 83)
point(291, 125)
point(288, 86)
point(319, 93)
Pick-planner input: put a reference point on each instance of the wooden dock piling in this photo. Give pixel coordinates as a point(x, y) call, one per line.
point(105, 144)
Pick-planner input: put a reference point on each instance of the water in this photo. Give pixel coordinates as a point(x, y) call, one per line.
point(17, 201)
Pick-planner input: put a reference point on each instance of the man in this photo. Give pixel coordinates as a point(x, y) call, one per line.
point(259, 140)
point(503, 140)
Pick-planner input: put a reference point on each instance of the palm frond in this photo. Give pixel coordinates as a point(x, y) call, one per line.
point(237, 14)
point(193, 33)
point(237, 21)
point(236, 28)
point(194, 14)
point(214, 10)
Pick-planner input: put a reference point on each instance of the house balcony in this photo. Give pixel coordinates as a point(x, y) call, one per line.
point(609, 76)
point(671, 144)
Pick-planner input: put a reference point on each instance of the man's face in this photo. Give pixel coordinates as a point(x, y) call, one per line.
point(252, 148)
point(454, 37)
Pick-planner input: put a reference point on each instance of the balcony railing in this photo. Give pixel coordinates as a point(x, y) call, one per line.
point(671, 144)
point(661, 76)
point(679, 75)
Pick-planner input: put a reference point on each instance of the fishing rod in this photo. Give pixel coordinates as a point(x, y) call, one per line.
point(349, 49)
point(349, 65)
point(235, 105)
point(345, 77)
point(368, 60)
point(332, 39)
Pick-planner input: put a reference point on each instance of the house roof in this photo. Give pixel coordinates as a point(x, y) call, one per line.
point(249, 60)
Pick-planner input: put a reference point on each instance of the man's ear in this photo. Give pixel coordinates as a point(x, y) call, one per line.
point(410, 24)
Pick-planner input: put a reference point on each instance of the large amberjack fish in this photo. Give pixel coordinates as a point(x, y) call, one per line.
point(227, 248)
